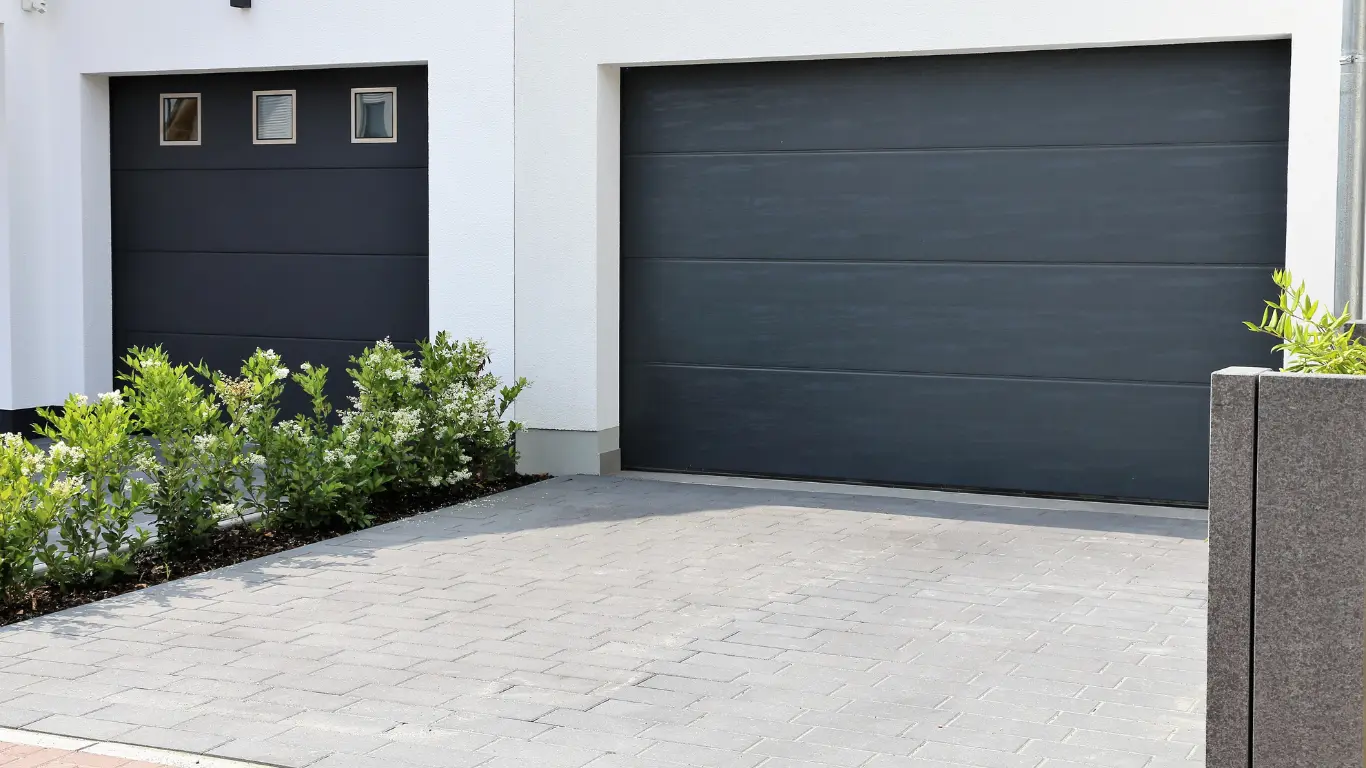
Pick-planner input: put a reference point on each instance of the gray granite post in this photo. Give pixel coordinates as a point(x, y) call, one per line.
point(1309, 606)
point(1232, 474)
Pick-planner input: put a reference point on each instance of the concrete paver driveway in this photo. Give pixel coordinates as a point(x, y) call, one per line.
point(614, 622)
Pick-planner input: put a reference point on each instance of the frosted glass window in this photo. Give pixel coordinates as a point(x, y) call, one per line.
point(180, 119)
point(374, 115)
point(274, 117)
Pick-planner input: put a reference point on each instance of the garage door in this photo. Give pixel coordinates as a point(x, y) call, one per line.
point(270, 213)
point(1011, 272)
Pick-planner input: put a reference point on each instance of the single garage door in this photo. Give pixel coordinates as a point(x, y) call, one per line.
point(283, 210)
point(1010, 271)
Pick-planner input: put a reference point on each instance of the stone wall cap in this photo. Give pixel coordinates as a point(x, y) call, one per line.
point(1239, 370)
point(1314, 376)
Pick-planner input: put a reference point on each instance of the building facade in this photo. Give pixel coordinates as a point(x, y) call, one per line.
point(974, 244)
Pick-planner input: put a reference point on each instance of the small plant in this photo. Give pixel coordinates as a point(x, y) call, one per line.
point(1315, 339)
point(94, 454)
point(31, 500)
point(196, 476)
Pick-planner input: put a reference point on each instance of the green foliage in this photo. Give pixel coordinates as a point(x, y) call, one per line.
point(1315, 339)
point(31, 499)
point(94, 453)
point(438, 423)
point(211, 445)
point(195, 479)
point(463, 433)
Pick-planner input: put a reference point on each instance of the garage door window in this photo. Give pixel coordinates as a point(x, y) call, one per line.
point(374, 115)
point(273, 117)
point(180, 119)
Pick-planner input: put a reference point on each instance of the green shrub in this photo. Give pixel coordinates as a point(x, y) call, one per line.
point(31, 500)
point(326, 474)
point(437, 423)
point(195, 480)
point(213, 445)
point(1315, 339)
point(94, 449)
point(461, 429)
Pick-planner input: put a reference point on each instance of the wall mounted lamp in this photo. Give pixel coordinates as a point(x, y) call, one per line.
point(240, 3)
point(34, 6)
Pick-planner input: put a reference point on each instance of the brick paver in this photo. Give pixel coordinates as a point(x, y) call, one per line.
point(25, 756)
point(619, 623)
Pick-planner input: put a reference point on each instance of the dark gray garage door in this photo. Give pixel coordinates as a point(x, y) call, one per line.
point(1009, 271)
point(314, 248)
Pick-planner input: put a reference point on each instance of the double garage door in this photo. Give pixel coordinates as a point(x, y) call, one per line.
point(311, 241)
point(1009, 271)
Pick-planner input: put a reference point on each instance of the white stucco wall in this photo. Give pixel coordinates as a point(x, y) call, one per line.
point(569, 54)
point(54, 179)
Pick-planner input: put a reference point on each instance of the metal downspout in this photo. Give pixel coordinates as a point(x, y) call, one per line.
point(1351, 217)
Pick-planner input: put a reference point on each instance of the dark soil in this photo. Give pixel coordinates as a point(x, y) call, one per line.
point(248, 542)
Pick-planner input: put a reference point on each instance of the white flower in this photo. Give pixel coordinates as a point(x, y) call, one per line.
point(434, 480)
point(281, 372)
point(34, 463)
point(290, 428)
point(205, 442)
point(62, 453)
point(146, 463)
point(150, 364)
point(305, 366)
point(270, 355)
point(458, 476)
point(394, 374)
point(68, 486)
point(225, 510)
point(82, 399)
point(256, 459)
point(414, 374)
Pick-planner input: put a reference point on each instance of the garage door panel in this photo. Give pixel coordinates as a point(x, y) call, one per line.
point(323, 120)
point(227, 353)
point(1205, 204)
point(1164, 323)
point(1113, 96)
point(272, 294)
point(283, 210)
point(1080, 438)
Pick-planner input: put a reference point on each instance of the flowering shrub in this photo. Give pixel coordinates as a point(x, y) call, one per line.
point(461, 427)
point(192, 446)
point(438, 422)
point(195, 477)
point(95, 456)
point(31, 499)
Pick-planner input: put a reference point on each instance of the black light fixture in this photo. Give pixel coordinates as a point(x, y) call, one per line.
point(240, 3)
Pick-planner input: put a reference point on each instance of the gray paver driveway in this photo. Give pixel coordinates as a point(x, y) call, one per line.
point(623, 622)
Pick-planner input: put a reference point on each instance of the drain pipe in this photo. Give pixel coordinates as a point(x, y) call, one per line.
point(1351, 225)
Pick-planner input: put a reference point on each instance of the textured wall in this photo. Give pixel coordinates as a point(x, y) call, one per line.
point(1232, 474)
point(1309, 627)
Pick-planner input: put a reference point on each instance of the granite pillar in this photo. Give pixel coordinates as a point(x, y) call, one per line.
point(1308, 679)
point(1233, 439)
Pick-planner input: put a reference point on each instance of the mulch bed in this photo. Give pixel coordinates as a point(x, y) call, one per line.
point(248, 542)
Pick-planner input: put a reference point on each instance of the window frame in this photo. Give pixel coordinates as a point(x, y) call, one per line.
point(293, 95)
point(393, 89)
point(161, 119)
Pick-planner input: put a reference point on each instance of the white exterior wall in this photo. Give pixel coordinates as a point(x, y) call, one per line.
point(55, 300)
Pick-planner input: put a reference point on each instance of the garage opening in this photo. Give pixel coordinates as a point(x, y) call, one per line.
point(1011, 272)
point(283, 210)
